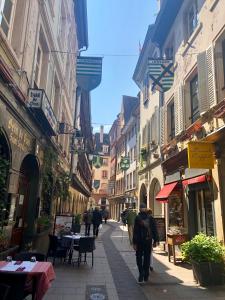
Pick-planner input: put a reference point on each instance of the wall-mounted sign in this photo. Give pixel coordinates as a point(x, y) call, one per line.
point(97, 161)
point(200, 155)
point(89, 72)
point(96, 184)
point(39, 102)
point(161, 73)
point(125, 163)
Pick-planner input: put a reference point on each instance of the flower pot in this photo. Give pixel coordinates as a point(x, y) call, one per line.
point(208, 273)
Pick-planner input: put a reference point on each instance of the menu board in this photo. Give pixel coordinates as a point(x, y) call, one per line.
point(62, 223)
point(161, 227)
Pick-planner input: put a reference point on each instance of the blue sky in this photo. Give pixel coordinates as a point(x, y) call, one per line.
point(116, 27)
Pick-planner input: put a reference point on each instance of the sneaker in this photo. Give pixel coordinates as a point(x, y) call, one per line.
point(140, 279)
point(151, 269)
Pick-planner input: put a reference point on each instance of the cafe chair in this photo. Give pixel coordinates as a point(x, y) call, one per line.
point(55, 249)
point(26, 256)
point(17, 285)
point(86, 245)
point(4, 291)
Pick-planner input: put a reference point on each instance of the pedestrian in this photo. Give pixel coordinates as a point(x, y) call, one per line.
point(144, 232)
point(149, 212)
point(96, 220)
point(87, 219)
point(105, 215)
point(131, 215)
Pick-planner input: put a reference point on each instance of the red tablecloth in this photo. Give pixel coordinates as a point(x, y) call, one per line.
point(44, 273)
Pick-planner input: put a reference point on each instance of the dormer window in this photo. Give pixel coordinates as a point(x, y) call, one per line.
point(105, 149)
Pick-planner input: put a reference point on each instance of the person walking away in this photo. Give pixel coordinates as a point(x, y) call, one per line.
point(149, 212)
point(144, 232)
point(131, 215)
point(87, 219)
point(96, 220)
point(105, 215)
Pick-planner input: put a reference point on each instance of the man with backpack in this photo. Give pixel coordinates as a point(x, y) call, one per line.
point(144, 232)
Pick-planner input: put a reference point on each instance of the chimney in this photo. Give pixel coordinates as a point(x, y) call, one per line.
point(101, 134)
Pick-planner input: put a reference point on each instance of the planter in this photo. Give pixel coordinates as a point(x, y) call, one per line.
point(41, 241)
point(209, 273)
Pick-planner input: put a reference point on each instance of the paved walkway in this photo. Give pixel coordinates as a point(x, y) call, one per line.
point(114, 275)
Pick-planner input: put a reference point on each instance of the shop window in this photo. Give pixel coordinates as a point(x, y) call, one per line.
point(176, 212)
point(194, 99)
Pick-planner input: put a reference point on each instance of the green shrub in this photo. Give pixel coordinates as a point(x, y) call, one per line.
point(203, 248)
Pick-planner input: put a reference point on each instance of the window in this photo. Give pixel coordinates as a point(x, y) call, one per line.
point(194, 99)
point(171, 121)
point(192, 18)
point(223, 49)
point(6, 7)
point(38, 66)
point(104, 174)
point(105, 149)
point(134, 179)
point(105, 162)
point(146, 90)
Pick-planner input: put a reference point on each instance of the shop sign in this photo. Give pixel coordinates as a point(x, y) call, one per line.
point(200, 155)
point(124, 163)
point(39, 102)
point(18, 137)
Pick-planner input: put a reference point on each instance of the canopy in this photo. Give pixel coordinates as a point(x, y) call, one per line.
point(198, 179)
point(165, 192)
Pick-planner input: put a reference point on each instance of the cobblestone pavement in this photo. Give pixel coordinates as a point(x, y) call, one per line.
point(115, 272)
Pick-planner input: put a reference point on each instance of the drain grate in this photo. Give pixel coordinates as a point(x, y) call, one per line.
point(96, 292)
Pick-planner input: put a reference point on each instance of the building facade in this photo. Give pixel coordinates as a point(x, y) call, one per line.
point(37, 92)
point(101, 170)
point(192, 111)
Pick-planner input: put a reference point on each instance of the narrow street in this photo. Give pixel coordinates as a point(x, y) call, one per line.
point(114, 275)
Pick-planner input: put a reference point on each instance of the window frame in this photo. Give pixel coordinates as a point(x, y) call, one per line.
point(191, 29)
point(195, 113)
point(10, 22)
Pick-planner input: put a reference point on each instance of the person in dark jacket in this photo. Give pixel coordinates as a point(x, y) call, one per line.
point(96, 220)
point(87, 219)
point(144, 232)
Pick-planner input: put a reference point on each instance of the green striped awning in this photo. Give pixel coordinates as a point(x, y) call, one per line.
point(89, 72)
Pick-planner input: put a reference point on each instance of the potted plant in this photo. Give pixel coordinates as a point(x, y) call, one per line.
point(76, 223)
point(206, 255)
point(43, 223)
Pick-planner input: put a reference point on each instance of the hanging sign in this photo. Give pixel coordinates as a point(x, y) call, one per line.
point(97, 161)
point(96, 184)
point(125, 163)
point(89, 72)
point(161, 73)
point(200, 155)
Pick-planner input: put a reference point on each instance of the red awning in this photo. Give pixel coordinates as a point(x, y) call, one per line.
point(165, 192)
point(195, 180)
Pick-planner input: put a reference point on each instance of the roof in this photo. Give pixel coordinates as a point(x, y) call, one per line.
point(80, 12)
point(98, 145)
point(129, 105)
point(165, 20)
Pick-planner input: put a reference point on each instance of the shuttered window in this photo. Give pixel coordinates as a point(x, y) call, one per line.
point(162, 126)
point(194, 99)
point(179, 110)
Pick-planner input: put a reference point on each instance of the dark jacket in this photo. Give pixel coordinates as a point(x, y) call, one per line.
point(96, 217)
point(144, 229)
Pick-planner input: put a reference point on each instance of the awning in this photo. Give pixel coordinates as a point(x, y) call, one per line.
point(165, 192)
point(195, 180)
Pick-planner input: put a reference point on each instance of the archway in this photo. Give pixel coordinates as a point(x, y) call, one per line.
point(27, 204)
point(143, 194)
point(5, 162)
point(155, 205)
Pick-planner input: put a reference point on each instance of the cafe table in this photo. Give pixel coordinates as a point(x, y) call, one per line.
point(42, 271)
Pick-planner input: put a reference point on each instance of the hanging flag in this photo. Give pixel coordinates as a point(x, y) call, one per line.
point(96, 184)
point(89, 72)
point(97, 161)
point(161, 73)
point(124, 163)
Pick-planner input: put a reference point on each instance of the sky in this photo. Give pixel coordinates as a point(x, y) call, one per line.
point(116, 27)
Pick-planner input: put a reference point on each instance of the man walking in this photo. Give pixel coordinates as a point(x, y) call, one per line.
point(96, 220)
point(144, 231)
point(87, 218)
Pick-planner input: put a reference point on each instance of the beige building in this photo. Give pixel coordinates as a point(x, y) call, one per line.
point(193, 110)
point(39, 42)
point(101, 170)
point(150, 176)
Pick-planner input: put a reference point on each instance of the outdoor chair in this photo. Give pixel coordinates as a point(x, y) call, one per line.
point(27, 256)
point(4, 291)
point(86, 245)
point(55, 249)
point(17, 285)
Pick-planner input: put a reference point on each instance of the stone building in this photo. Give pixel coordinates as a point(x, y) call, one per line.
point(192, 34)
point(39, 42)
